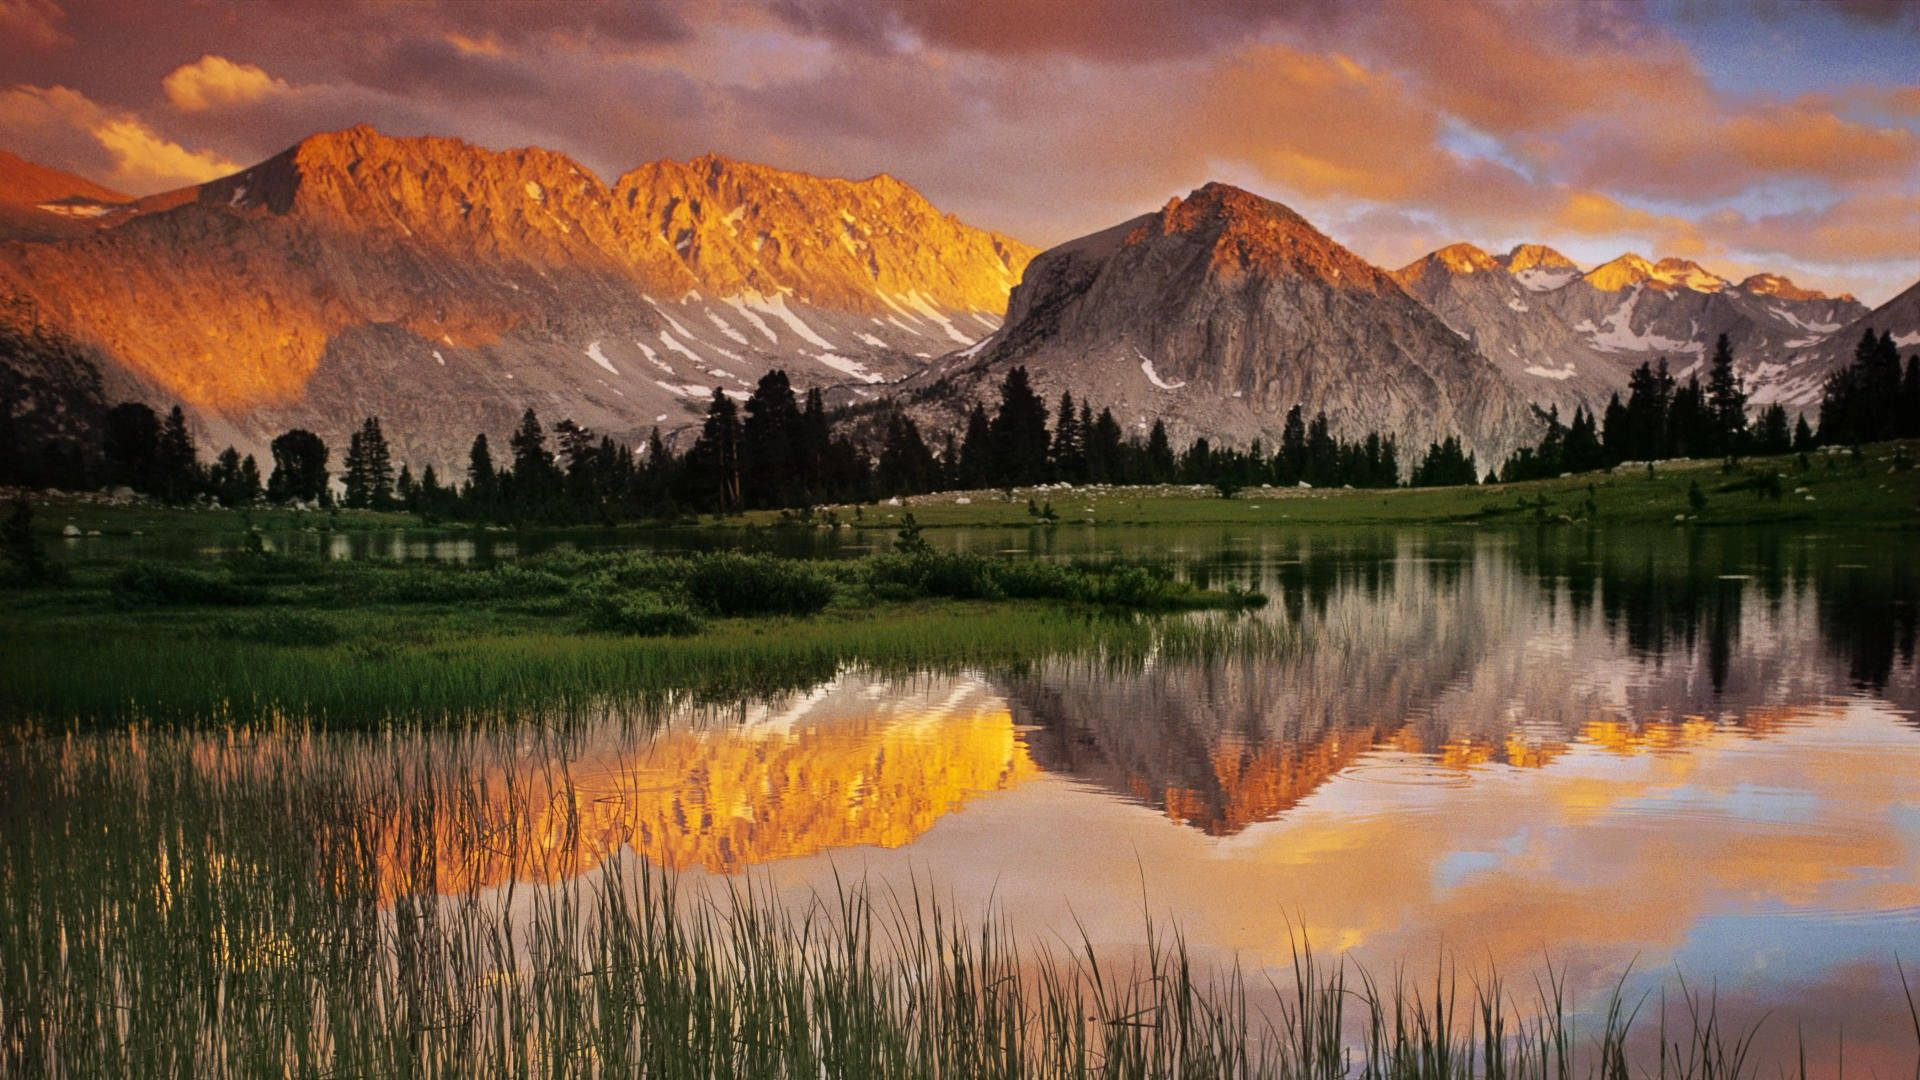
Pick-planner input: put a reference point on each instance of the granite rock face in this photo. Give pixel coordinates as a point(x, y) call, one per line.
point(444, 288)
point(1218, 314)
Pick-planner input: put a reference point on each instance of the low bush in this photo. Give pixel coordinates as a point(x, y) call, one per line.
point(149, 584)
point(642, 615)
point(281, 627)
point(441, 586)
point(732, 584)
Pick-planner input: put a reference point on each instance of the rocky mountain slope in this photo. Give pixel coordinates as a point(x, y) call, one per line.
point(38, 203)
point(1570, 338)
point(445, 287)
point(1218, 314)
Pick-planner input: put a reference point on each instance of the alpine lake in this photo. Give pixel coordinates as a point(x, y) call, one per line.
point(1669, 772)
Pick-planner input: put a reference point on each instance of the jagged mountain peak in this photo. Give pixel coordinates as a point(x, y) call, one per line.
point(1669, 273)
point(1526, 257)
point(1246, 234)
point(1686, 274)
point(1784, 288)
point(1619, 273)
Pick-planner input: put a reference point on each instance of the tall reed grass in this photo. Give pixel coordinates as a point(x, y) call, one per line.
point(258, 902)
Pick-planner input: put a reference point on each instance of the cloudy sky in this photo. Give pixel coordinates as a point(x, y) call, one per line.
point(1771, 135)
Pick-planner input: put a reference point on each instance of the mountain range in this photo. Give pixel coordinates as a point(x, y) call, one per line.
point(446, 287)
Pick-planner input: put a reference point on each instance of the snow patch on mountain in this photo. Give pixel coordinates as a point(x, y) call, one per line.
point(932, 314)
point(1618, 334)
point(1560, 373)
point(726, 327)
point(776, 306)
point(673, 343)
point(594, 354)
point(1538, 280)
point(1153, 376)
point(849, 366)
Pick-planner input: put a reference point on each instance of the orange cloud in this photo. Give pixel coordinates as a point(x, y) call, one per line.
point(1865, 227)
point(35, 23)
point(1806, 137)
point(136, 157)
point(1320, 124)
point(1596, 214)
point(215, 81)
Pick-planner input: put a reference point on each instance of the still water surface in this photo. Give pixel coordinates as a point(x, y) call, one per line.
point(1689, 753)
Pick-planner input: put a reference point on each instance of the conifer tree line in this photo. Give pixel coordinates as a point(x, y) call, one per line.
point(777, 450)
point(1867, 401)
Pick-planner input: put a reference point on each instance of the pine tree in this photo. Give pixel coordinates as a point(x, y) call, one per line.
point(1583, 452)
point(1293, 448)
point(405, 491)
point(369, 469)
point(1773, 436)
point(483, 484)
point(1069, 456)
point(1613, 431)
point(1106, 456)
point(1160, 463)
point(1803, 440)
point(249, 486)
point(712, 467)
point(976, 451)
point(131, 439)
point(1726, 404)
point(816, 450)
point(176, 462)
point(581, 479)
point(299, 469)
point(1649, 399)
point(535, 480)
point(770, 445)
point(430, 498)
point(1690, 423)
point(223, 478)
point(906, 465)
point(1019, 430)
point(1323, 454)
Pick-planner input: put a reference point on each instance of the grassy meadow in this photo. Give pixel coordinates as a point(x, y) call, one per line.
point(1879, 488)
point(356, 642)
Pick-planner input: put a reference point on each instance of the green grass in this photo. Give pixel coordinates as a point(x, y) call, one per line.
point(1866, 491)
point(259, 902)
point(359, 642)
point(1844, 491)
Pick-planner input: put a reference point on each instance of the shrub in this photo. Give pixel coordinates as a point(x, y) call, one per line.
point(281, 627)
point(960, 577)
point(643, 615)
point(442, 586)
point(148, 584)
point(1033, 579)
point(733, 584)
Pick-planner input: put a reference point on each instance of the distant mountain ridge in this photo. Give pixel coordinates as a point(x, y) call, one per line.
point(445, 287)
point(1569, 338)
